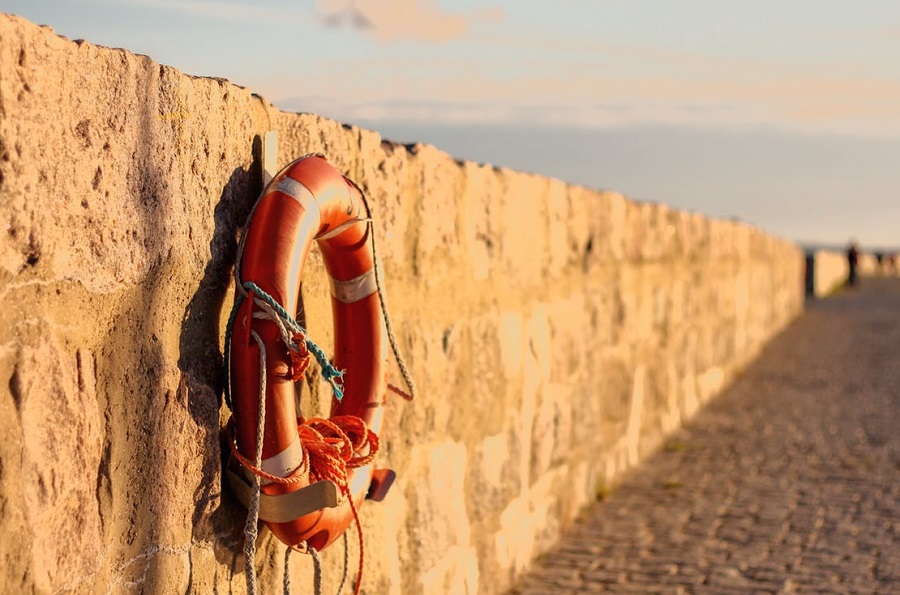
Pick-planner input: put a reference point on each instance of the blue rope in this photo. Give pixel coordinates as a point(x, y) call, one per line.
point(251, 286)
point(332, 375)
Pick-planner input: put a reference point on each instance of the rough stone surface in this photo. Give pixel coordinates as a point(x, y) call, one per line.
point(557, 333)
point(786, 482)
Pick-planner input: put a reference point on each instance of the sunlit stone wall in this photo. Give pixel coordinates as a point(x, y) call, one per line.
point(556, 333)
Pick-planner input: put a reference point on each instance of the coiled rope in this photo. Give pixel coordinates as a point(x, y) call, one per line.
point(331, 447)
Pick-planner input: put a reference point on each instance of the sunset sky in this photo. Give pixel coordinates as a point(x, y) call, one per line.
point(785, 114)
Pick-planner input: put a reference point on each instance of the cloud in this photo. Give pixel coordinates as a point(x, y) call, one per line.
point(851, 106)
point(559, 115)
point(591, 83)
point(395, 20)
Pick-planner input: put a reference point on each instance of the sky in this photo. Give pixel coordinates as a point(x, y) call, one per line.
point(781, 113)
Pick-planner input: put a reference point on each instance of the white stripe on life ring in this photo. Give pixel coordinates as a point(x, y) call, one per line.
point(341, 228)
point(355, 289)
point(281, 464)
point(297, 191)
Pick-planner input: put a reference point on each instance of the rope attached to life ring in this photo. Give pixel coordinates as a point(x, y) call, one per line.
point(330, 446)
point(294, 337)
point(410, 393)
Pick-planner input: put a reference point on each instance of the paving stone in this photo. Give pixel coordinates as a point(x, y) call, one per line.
point(789, 481)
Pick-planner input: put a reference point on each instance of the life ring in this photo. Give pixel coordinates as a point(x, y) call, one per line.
point(308, 200)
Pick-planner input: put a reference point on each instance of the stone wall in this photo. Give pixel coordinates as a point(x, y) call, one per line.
point(556, 333)
point(827, 271)
point(869, 266)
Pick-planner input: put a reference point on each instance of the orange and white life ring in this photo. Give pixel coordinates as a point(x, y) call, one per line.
point(308, 200)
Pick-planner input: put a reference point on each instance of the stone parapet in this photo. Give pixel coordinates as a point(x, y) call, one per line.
point(557, 333)
point(826, 272)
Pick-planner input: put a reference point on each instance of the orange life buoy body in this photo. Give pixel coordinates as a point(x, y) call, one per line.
point(308, 200)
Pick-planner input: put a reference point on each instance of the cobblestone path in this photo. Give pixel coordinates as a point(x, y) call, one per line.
point(788, 481)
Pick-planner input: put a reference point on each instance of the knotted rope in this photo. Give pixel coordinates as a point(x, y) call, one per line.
point(293, 336)
point(331, 447)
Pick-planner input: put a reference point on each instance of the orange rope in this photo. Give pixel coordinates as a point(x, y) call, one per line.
point(333, 444)
point(299, 357)
point(399, 391)
point(304, 465)
point(359, 533)
point(331, 447)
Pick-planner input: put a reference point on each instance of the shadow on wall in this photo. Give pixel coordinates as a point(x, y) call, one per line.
point(201, 362)
point(138, 429)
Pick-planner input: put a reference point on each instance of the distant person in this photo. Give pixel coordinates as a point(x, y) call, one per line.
point(852, 262)
point(891, 263)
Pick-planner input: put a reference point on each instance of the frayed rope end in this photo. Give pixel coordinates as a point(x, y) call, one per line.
point(332, 375)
